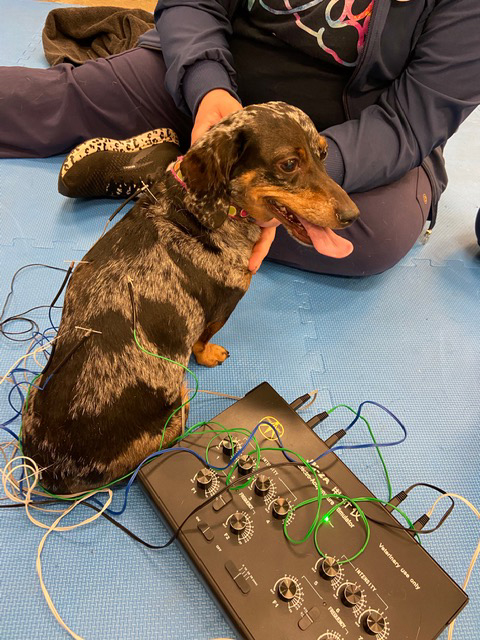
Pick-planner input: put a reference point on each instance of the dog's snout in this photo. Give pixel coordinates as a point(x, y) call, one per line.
point(347, 215)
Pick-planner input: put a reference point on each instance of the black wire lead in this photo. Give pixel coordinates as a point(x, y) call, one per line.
point(21, 316)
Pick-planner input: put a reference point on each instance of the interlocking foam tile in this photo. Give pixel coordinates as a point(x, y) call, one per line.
point(408, 338)
point(40, 212)
point(22, 24)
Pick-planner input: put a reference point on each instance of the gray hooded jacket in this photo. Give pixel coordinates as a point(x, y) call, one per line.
point(417, 79)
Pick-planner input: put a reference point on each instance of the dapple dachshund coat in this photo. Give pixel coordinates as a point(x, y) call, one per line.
point(104, 409)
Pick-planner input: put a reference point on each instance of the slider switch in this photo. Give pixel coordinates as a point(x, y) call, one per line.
point(204, 528)
point(237, 577)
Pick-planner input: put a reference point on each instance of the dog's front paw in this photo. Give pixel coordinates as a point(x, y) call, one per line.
point(211, 355)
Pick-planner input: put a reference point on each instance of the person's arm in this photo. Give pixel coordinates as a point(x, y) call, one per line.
point(420, 110)
point(200, 75)
point(193, 36)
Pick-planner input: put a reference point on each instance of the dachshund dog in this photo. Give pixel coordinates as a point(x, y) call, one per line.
point(175, 270)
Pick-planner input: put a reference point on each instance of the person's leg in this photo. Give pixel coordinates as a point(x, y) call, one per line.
point(391, 219)
point(49, 111)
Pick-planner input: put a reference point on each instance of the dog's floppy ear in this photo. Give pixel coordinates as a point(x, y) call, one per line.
point(206, 170)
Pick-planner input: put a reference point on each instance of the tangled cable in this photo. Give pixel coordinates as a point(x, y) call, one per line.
point(13, 490)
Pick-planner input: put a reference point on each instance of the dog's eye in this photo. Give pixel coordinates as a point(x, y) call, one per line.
point(289, 165)
point(323, 153)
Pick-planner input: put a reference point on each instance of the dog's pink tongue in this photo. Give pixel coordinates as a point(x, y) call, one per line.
point(327, 241)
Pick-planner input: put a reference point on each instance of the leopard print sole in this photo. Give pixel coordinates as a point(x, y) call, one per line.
point(137, 143)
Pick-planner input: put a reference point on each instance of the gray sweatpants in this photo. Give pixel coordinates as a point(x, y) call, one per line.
point(46, 112)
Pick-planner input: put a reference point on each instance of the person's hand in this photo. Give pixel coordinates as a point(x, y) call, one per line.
point(262, 247)
point(214, 106)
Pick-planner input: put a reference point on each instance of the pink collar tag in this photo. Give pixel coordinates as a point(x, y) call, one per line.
point(175, 171)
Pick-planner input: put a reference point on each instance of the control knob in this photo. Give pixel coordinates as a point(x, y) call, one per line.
point(280, 508)
point(229, 446)
point(205, 478)
point(262, 485)
point(374, 623)
point(329, 568)
point(351, 595)
point(245, 464)
point(287, 589)
point(238, 523)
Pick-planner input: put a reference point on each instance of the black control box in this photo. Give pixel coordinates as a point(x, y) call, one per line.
point(272, 588)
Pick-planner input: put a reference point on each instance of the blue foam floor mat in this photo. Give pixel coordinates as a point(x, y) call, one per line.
point(409, 339)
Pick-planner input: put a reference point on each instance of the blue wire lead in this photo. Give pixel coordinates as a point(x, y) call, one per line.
point(249, 439)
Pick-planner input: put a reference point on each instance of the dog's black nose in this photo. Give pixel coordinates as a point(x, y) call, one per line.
point(347, 216)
